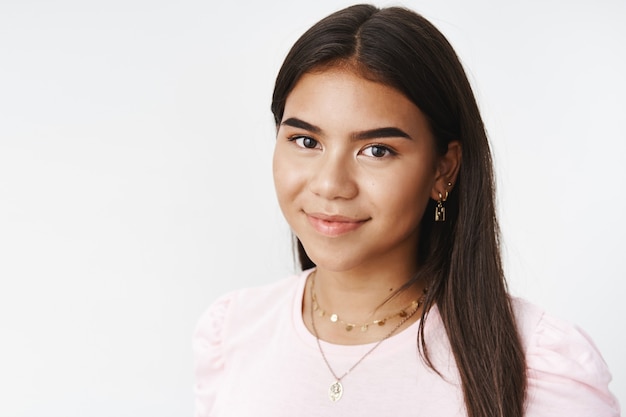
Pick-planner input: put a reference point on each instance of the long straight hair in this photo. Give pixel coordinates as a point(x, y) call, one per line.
point(459, 258)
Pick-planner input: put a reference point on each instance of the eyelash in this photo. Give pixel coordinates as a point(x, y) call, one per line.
point(389, 151)
point(297, 138)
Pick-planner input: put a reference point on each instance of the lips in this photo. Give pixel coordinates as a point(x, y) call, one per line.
point(333, 225)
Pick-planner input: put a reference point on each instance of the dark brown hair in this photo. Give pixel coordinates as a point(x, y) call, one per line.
point(460, 259)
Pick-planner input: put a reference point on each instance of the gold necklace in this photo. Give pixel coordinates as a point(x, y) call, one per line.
point(348, 326)
point(335, 391)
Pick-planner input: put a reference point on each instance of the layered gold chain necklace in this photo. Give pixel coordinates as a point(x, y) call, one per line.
point(335, 391)
point(348, 326)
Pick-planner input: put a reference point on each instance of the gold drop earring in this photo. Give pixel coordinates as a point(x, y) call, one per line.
point(440, 210)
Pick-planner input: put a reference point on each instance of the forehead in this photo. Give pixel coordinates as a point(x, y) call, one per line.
point(343, 97)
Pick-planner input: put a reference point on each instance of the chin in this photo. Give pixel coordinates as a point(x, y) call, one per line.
point(334, 260)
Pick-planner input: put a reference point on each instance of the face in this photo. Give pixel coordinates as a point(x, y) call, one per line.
point(354, 167)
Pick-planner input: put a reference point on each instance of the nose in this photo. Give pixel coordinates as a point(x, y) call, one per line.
point(334, 178)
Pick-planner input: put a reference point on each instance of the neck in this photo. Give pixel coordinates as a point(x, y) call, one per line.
point(359, 300)
point(360, 295)
point(364, 292)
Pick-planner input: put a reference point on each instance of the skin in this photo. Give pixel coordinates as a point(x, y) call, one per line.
point(354, 167)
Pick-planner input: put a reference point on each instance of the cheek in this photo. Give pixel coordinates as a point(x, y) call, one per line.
point(408, 198)
point(286, 177)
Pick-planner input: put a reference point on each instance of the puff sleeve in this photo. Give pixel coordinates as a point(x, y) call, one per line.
point(208, 356)
point(567, 375)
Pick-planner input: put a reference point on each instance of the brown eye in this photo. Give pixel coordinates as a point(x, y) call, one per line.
point(377, 151)
point(309, 143)
point(306, 142)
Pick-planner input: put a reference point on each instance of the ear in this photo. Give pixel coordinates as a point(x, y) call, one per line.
point(448, 167)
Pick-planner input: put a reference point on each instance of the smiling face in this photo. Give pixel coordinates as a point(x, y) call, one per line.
point(354, 166)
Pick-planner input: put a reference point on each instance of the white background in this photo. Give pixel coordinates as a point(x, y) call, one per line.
point(135, 179)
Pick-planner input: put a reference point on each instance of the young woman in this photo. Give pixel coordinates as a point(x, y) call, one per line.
point(383, 171)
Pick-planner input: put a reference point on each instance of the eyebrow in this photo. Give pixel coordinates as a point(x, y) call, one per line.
point(382, 132)
point(301, 124)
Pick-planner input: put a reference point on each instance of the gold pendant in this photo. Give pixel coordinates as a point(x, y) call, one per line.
point(335, 391)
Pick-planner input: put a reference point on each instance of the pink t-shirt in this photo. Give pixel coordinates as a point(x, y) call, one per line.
point(255, 357)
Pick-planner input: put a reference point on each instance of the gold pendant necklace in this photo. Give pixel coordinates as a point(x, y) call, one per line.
point(335, 391)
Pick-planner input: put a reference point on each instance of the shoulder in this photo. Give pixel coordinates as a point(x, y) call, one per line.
point(566, 372)
point(236, 309)
point(241, 319)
